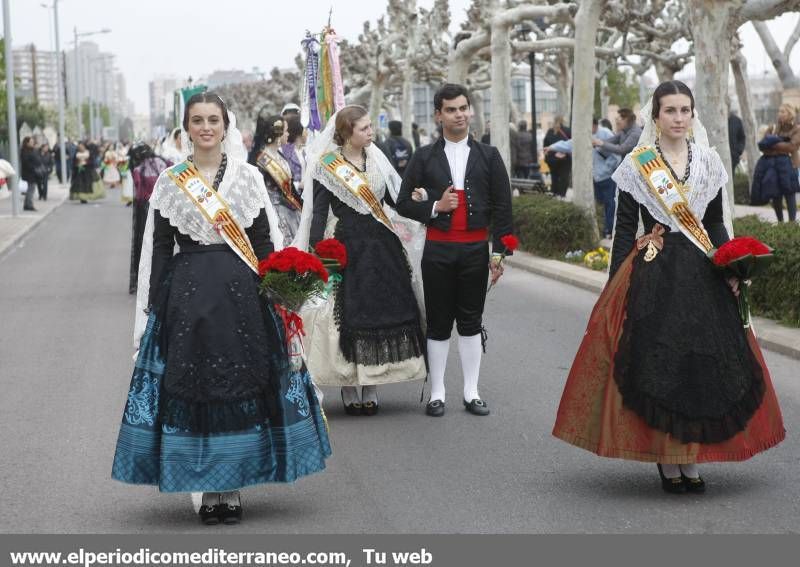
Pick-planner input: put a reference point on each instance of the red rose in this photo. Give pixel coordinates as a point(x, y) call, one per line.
point(510, 242)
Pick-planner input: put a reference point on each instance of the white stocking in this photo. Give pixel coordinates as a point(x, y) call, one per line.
point(671, 471)
point(437, 363)
point(369, 394)
point(470, 350)
point(690, 470)
point(350, 395)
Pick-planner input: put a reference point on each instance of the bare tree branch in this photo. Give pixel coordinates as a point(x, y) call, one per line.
point(792, 41)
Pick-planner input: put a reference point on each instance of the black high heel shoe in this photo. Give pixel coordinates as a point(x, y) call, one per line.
point(672, 485)
point(231, 512)
point(351, 409)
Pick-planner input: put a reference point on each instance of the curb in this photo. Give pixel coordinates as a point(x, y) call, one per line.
point(771, 335)
point(17, 236)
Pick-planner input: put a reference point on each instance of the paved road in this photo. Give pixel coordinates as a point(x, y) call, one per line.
point(65, 363)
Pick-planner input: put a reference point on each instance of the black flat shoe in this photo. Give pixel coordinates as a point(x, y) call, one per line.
point(435, 408)
point(369, 408)
point(696, 485)
point(210, 515)
point(351, 409)
point(672, 485)
point(476, 407)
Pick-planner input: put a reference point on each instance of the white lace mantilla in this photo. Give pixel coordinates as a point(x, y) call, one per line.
point(377, 185)
point(243, 189)
point(707, 175)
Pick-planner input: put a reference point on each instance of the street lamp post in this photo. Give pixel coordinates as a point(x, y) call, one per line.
point(13, 145)
point(534, 173)
point(60, 87)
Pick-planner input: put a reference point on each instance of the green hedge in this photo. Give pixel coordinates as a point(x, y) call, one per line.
point(550, 227)
point(741, 188)
point(776, 293)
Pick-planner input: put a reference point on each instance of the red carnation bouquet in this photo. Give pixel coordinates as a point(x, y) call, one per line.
point(743, 257)
point(333, 255)
point(289, 278)
point(510, 243)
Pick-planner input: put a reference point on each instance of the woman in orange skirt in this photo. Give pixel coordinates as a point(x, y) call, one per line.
point(666, 372)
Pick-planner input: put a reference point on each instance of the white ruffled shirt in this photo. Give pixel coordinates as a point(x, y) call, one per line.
point(457, 155)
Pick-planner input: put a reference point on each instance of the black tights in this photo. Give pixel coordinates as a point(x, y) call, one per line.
point(791, 206)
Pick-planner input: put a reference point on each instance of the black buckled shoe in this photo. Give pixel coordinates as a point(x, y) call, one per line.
point(476, 407)
point(351, 409)
point(435, 408)
point(696, 485)
point(210, 515)
point(673, 485)
point(369, 408)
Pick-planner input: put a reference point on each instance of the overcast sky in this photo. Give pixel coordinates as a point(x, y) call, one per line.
point(196, 37)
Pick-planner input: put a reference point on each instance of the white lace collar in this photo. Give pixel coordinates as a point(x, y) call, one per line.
point(239, 188)
point(707, 175)
point(377, 185)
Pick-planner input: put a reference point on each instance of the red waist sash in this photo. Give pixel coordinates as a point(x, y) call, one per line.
point(458, 227)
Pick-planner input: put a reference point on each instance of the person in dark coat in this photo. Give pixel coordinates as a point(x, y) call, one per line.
point(397, 148)
point(776, 175)
point(458, 187)
point(31, 170)
point(736, 139)
point(560, 164)
point(524, 147)
point(46, 156)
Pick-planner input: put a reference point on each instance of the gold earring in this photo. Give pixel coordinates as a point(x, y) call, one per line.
point(658, 131)
point(690, 134)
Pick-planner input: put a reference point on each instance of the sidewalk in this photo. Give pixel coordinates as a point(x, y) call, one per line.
point(771, 335)
point(12, 229)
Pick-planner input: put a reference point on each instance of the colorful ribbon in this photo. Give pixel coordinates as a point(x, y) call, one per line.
point(333, 279)
point(325, 86)
point(309, 94)
point(337, 86)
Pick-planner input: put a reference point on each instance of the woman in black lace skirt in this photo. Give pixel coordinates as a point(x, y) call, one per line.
point(369, 331)
point(666, 372)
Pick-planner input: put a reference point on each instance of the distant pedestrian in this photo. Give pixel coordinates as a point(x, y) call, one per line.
point(736, 139)
point(46, 157)
point(783, 158)
point(626, 138)
point(31, 170)
point(397, 148)
point(524, 150)
point(559, 163)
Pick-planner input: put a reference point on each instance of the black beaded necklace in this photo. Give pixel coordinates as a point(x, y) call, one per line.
point(363, 155)
point(686, 173)
point(223, 164)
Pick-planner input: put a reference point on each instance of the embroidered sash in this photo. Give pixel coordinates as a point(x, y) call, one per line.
point(355, 182)
point(214, 208)
point(671, 195)
point(281, 178)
